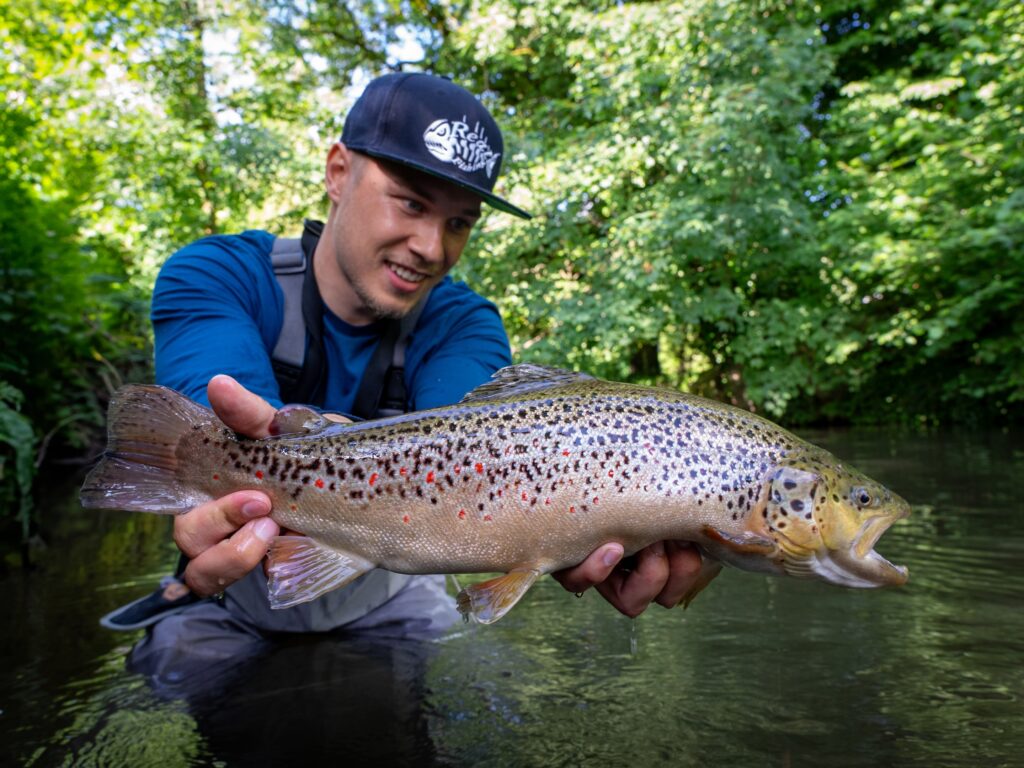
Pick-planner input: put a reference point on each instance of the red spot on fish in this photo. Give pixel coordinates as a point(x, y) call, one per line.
point(462, 514)
point(500, 491)
point(373, 478)
point(595, 499)
point(293, 507)
point(403, 471)
point(565, 453)
point(572, 510)
point(547, 501)
point(430, 477)
point(610, 473)
point(487, 518)
point(479, 468)
point(319, 482)
point(216, 477)
point(405, 518)
point(524, 495)
point(457, 468)
point(259, 474)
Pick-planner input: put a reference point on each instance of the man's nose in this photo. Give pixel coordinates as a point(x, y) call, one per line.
point(427, 241)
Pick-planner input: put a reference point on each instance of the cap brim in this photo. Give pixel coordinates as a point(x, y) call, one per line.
point(492, 200)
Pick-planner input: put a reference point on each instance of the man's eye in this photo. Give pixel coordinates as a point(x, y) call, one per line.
point(459, 225)
point(413, 205)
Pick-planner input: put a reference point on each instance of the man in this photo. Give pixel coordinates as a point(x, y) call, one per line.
point(417, 157)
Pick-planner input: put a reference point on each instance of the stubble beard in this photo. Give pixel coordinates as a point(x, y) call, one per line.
point(379, 310)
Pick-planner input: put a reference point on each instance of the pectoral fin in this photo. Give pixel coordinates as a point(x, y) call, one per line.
point(744, 543)
point(708, 570)
point(301, 569)
point(489, 600)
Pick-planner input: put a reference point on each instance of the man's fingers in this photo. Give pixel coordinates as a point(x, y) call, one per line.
point(231, 559)
point(683, 569)
point(210, 523)
point(631, 592)
point(245, 412)
point(591, 571)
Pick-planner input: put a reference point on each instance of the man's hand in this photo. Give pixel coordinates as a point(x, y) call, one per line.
point(662, 572)
point(228, 537)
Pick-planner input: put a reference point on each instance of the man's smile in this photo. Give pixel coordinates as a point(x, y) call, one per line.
point(409, 275)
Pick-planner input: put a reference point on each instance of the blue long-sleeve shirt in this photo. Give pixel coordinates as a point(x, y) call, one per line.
point(217, 308)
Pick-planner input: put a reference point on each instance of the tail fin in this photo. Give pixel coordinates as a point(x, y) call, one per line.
point(139, 471)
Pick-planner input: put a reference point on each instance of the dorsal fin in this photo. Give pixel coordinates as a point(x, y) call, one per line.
point(520, 379)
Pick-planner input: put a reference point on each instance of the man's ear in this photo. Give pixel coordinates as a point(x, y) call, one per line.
point(338, 170)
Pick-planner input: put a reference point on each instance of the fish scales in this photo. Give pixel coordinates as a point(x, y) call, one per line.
point(531, 473)
point(570, 460)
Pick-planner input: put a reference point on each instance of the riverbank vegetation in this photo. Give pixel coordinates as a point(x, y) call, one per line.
point(812, 211)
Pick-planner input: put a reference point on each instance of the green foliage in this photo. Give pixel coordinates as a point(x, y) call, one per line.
point(673, 242)
point(811, 211)
point(923, 184)
point(16, 434)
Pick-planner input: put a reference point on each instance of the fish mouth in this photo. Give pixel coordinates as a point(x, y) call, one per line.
point(861, 565)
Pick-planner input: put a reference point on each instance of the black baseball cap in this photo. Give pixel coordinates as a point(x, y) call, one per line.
point(433, 125)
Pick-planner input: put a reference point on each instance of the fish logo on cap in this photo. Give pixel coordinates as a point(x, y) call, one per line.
point(452, 141)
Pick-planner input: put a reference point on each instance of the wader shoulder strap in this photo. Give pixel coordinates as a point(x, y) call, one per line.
point(298, 365)
point(289, 263)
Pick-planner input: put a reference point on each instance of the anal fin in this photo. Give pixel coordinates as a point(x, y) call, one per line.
point(709, 569)
point(301, 569)
point(489, 600)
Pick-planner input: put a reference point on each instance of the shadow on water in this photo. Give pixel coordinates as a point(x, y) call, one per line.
point(758, 671)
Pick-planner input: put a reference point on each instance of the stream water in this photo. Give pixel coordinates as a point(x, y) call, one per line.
point(758, 671)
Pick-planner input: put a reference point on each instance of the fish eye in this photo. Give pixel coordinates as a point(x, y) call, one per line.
point(861, 497)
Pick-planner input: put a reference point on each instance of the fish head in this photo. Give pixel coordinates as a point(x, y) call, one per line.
point(826, 517)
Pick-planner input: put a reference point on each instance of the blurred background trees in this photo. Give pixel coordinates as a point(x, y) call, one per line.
point(812, 211)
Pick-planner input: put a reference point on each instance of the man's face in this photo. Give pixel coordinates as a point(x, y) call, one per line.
point(394, 234)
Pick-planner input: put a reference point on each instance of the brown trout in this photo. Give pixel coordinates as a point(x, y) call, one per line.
point(529, 474)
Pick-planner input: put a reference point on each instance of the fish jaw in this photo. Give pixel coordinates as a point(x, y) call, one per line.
point(858, 565)
point(862, 563)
